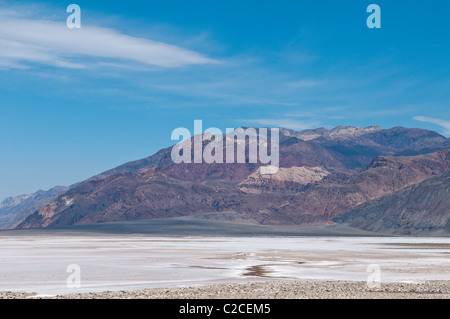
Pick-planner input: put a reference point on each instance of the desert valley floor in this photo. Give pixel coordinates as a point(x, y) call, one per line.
point(116, 262)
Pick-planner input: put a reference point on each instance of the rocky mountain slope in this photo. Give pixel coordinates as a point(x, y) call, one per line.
point(319, 202)
point(342, 148)
point(323, 174)
point(418, 209)
point(14, 210)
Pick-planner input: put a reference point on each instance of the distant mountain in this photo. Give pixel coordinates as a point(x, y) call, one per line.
point(14, 210)
point(127, 196)
point(134, 166)
point(342, 148)
point(323, 174)
point(423, 208)
point(319, 202)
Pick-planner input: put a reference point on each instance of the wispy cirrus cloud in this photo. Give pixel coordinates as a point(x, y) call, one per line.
point(25, 41)
point(442, 123)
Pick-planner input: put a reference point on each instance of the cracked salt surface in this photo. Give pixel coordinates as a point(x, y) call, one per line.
point(119, 262)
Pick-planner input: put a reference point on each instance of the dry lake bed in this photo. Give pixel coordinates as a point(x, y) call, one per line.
point(50, 264)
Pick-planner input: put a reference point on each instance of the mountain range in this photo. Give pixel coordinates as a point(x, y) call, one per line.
point(383, 180)
point(15, 209)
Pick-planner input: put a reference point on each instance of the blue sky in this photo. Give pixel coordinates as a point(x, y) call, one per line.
point(77, 102)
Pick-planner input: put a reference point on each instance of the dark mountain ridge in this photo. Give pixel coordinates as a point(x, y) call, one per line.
point(347, 167)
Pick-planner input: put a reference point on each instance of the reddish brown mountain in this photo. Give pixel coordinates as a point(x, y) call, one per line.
point(320, 179)
point(14, 210)
point(342, 148)
point(422, 208)
point(321, 201)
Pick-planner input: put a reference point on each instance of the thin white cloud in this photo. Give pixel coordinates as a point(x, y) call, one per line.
point(286, 123)
point(24, 41)
point(442, 123)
